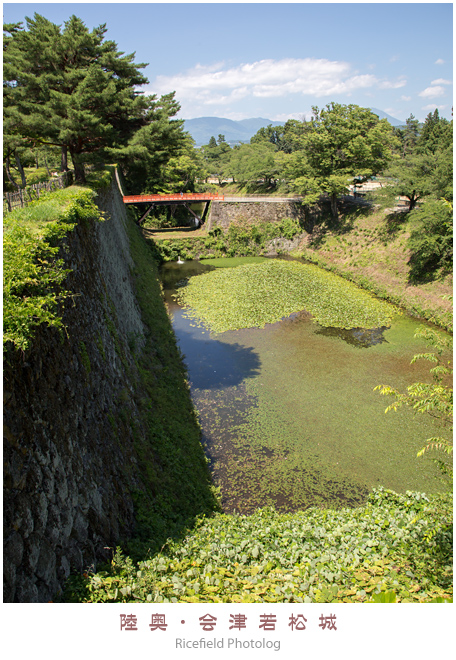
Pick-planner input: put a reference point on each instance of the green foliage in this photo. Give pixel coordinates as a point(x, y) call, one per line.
point(33, 274)
point(217, 157)
point(431, 240)
point(286, 139)
point(242, 239)
point(424, 166)
point(159, 157)
point(256, 294)
point(69, 87)
point(394, 543)
point(345, 142)
point(253, 162)
point(434, 399)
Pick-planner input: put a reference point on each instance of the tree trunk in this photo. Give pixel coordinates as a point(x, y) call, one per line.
point(78, 166)
point(21, 170)
point(334, 213)
point(8, 173)
point(412, 201)
point(64, 159)
point(46, 165)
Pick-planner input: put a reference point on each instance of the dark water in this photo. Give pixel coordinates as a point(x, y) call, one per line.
point(288, 412)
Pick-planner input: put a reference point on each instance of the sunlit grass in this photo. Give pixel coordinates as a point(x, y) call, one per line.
point(48, 208)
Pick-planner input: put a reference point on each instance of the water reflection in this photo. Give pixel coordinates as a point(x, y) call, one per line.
point(213, 364)
point(174, 274)
point(359, 337)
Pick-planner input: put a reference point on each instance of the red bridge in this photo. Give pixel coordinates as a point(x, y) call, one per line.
point(172, 199)
point(179, 198)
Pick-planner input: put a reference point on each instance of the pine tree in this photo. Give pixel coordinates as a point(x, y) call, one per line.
point(70, 88)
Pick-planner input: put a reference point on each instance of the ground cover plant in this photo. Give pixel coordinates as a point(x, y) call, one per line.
point(394, 548)
point(256, 294)
point(32, 272)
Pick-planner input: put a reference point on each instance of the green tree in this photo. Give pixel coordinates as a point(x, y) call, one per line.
point(424, 167)
point(71, 88)
point(286, 138)
point(253, 162)
point(431, 240)
point(344, 142)
point(145, 156)
point(217, 156)
point(408, 135)
point(436, 133)
point(182, 172)
point(269, 134)
point(410, 176)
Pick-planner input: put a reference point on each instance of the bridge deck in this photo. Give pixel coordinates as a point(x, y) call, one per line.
point(175, 198)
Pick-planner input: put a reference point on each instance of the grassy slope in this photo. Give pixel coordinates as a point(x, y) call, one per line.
point(369, 246)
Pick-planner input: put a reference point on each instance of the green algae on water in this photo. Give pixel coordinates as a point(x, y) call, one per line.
point(253, 295)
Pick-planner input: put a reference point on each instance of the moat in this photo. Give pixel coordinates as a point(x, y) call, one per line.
point(289, 414)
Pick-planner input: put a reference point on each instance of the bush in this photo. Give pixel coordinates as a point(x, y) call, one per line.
point(241, 240)
point(431, 240)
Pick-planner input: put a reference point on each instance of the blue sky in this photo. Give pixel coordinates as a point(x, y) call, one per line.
point(277, 60)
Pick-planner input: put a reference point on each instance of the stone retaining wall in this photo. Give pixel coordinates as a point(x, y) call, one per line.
point(222, 214)
point(70, 462)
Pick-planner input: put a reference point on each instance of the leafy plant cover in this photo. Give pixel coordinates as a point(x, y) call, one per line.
point(32, 273)
point(256, 294)
point(396, 548)
point(244, 238)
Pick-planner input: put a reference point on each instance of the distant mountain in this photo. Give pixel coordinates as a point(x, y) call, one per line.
point(203, 128)
point(384, 115)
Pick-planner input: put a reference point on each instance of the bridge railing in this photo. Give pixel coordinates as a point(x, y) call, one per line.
point(179, 197)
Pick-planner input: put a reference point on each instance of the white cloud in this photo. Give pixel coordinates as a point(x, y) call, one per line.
point(433, 106)
point(217, 85)
point(406, 98)
point(432, 92)
point(439, 61)
point(392, 84)
point(300, 116)
point(441, 81)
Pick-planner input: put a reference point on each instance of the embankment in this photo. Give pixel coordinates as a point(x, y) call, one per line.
point(101, 440)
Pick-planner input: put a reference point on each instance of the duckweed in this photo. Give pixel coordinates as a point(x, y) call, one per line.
point(256, 294)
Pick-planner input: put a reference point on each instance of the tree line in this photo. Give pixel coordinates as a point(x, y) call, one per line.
point(71, 97)
point(341, 146)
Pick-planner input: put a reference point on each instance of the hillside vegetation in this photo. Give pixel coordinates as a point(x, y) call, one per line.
point(370, 246)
